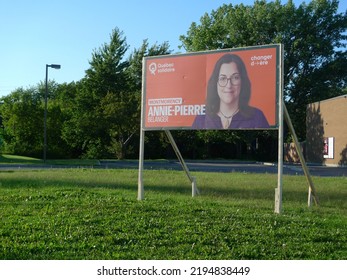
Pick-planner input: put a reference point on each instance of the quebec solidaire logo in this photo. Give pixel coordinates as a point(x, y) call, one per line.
point(159, 68)
point(152, 68)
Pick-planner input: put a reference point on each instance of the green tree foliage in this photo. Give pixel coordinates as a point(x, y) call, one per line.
point(23, 112)
point(90, 127)
point(135, 61)
point(105, 114)
point(157, 144)
point(96, 117)
point(22, 116)
point(60, 108)
point(314, 39)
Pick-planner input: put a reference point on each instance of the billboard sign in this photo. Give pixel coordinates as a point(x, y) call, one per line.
point(225, 89)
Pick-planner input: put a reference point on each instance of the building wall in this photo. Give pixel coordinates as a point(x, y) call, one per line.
point(327, 119)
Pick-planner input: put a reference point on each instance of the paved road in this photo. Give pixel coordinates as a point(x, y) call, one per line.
point(203, 166)
point(227, 166)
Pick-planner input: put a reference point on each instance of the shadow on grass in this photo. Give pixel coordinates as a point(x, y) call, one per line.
point(178, 184)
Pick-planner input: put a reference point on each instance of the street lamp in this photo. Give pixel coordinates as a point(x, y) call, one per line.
point(55, 66)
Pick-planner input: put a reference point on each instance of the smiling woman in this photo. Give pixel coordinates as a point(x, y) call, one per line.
point(228, 95)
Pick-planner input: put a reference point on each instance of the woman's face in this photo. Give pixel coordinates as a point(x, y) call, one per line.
point(229, 84)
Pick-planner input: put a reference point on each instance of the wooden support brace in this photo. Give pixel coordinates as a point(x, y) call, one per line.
point(312, 190)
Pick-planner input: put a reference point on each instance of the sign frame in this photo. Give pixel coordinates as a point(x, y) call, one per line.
point(281, 113)
point(161, 103)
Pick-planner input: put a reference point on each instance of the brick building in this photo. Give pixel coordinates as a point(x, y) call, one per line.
point(326, 131)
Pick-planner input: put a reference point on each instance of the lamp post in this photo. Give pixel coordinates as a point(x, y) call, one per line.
point(55, 66)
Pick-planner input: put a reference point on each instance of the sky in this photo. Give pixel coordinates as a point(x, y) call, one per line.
point(66, 32)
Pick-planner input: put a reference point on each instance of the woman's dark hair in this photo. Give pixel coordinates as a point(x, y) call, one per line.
point(212, 98)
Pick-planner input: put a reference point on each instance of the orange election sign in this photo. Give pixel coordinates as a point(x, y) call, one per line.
point(176, 88)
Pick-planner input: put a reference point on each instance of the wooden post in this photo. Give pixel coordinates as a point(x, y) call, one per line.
point(312, 190)
point(185, 168)
point(140, 187)
point(278, 190)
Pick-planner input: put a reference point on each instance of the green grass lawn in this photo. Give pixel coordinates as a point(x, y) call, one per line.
point(94, 214)
point(14, 159)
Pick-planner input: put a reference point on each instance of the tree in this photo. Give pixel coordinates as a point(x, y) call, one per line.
point(60, 110)
point(22, 117)
point(105, 114)
point(122, 111)
point(89, 129)
point(134, 72)
point(135, 61)
point(23, 112)
point(314, 39)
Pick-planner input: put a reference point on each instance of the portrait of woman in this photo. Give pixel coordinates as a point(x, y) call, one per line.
point(227, 98)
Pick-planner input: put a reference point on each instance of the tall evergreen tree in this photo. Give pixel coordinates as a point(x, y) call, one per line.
point(90, 129)
point(106, 112)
